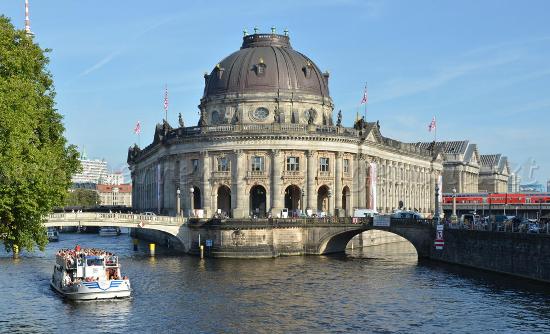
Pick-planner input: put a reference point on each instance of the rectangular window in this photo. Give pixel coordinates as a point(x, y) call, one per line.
point(258, 164)
point(223, 164)
point(346, 165)
point(323, 164)
point(195, 164)
point(293, 163)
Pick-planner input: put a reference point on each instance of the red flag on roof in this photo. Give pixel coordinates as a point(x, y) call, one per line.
point(431, 126)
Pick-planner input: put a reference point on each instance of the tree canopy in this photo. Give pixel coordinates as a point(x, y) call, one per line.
point(36, 163)
point(85, 198)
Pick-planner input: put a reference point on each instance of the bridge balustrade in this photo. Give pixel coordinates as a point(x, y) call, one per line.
point(116, 217)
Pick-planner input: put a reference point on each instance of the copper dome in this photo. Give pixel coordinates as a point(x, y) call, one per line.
point(266, 63)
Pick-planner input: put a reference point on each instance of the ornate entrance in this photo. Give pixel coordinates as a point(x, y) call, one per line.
point(346, 201)
point(322, 199)
point(257, 201)
point(197, 199)
point(292, 198)
point(224, 201)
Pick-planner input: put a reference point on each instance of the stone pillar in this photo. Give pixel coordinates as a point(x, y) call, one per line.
point(362, 179)
point(277, 198)
point(159, 189)
point(238, 186)
point(206, 187)
point(311, 169)
point(337, 192)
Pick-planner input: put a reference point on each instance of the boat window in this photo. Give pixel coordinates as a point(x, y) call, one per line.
point(94, 261)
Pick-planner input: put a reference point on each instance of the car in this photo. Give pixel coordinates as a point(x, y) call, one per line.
point(149, 213)
point(533, 228)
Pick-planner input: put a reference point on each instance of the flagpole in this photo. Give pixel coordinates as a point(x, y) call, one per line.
point(166, 103)
point(435, 132)
point(366, 102)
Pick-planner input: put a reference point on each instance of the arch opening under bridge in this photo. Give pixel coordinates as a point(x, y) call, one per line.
point(420, 237)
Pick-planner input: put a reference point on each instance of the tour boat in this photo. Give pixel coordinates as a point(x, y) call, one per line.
point(108, 231)
point(88, 274)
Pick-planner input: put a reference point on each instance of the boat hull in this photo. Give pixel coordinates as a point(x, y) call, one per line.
point(96, 290)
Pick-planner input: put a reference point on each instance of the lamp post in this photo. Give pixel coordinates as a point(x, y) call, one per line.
point(178, 203)
point(302, 202)
point(454, 218)
point(436, 203)
point(191, 191)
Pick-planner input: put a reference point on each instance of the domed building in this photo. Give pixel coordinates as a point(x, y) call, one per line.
point(267, 144)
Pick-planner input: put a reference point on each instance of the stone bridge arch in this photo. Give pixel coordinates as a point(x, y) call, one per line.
point(170, 230)
point(335, 240)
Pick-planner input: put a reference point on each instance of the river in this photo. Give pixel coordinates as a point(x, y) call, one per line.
point(381, 289)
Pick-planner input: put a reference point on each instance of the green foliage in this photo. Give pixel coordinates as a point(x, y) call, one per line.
point(83, 197)
point(36, 163)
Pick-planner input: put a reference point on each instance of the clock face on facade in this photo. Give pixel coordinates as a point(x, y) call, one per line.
point(261, 113)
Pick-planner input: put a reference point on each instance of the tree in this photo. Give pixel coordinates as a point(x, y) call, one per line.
point(36, 163)
point(83, 197)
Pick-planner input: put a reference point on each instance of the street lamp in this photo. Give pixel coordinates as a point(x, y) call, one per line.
point(329, 202)
point(191, 191)
point(178, 203)
point(303, 199)
point(454, 218)
point(437, 202)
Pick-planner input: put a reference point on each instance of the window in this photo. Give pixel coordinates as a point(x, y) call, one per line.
point(223, 164)
point(293, 163)
point(323, 164)
point(195, 164)
point(346, 165)
point(258, 164)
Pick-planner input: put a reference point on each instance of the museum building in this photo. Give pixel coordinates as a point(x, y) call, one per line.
point(267, 143)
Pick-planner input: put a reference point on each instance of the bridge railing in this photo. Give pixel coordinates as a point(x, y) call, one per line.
point(289, 222)
point(116, 217)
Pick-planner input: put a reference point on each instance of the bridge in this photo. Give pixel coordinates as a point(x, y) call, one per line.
point(170, 225)
point(249, 238)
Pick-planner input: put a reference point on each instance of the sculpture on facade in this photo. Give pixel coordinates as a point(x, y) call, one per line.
point(277, 115)
point(360, 124)
point(202, 121)
point(339, 120)
point(180, 121)
point(310, 119)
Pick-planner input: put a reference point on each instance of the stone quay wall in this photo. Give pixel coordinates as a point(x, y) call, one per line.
point(519, 254)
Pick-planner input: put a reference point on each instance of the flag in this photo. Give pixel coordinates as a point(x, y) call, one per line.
point(166, 98)
point(365, 98)
point(137, 129)
point(431, 126)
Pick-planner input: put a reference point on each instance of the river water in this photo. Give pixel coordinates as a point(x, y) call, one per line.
point(382, 289)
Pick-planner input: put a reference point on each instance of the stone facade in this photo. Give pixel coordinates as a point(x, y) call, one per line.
point(113, 195)
point(266, 141)
point(494, 173)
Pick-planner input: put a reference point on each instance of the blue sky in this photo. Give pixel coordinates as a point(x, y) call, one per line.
point(481, 67)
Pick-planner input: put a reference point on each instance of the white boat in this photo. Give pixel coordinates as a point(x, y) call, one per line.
point(52, 234)
point(79, 275)
point(109, 231)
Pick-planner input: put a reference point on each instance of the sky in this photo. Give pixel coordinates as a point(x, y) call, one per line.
point(482, 68)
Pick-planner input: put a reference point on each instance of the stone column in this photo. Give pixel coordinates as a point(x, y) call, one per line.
point(311, 169)
point(277, 198)
point(206, 188)
point(337, 192)
point(238, 185)
point(362, 195)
